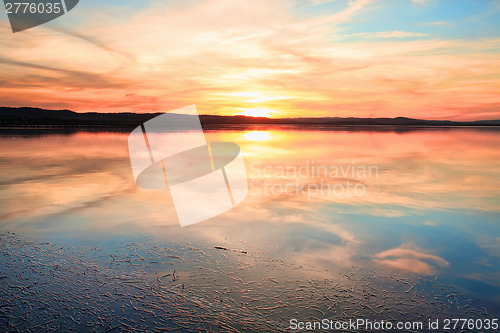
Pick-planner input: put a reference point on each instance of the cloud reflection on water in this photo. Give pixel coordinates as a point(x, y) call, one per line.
point(436, 189)
point(410, 259)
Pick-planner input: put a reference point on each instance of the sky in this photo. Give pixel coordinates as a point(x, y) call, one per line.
point(428, 59)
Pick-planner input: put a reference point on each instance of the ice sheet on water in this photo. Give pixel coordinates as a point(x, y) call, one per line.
point(167, 287)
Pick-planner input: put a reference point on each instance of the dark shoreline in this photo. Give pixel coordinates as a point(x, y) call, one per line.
point(36, 117)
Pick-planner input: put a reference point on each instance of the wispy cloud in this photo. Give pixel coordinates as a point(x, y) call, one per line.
point(216, 53)
point(386, 34)
point(439, 23)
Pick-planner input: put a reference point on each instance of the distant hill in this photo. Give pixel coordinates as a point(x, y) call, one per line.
point(26, 116)
point(34, 117)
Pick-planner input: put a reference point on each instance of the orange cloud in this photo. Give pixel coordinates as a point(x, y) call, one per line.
point(217, 53)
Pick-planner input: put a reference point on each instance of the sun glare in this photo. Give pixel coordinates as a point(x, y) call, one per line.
point(257, 96)
point(256, 112)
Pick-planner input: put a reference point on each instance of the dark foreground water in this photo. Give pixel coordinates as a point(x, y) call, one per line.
point(369, 225)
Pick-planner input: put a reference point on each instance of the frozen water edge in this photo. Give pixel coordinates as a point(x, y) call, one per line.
point(166, 287)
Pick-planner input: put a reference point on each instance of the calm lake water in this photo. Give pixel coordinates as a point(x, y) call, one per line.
point(409, 214)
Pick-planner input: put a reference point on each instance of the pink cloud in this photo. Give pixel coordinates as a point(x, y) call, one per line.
point(214, 52)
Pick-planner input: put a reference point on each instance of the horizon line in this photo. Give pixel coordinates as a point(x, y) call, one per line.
point(250, 117)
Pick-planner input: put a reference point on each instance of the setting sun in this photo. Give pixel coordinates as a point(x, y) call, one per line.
point(256, 112)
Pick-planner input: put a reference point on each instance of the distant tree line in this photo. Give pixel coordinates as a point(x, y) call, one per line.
point(36, 117)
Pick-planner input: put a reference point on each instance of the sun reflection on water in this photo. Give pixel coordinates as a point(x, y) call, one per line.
point(257, 135)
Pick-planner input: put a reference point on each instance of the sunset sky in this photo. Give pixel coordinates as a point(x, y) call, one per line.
point(433, 59)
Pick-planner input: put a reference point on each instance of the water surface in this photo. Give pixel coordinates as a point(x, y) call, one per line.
point(323, 205)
